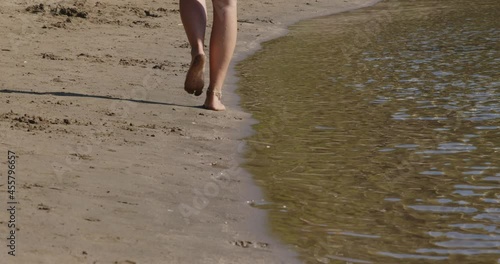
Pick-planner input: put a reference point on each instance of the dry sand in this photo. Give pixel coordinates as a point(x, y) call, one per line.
point(115, 162)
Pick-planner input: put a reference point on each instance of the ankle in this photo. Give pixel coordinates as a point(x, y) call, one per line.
point(216, 92)
point(195, 52)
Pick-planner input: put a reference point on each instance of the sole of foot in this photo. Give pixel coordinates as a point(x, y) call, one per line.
point(195, 76)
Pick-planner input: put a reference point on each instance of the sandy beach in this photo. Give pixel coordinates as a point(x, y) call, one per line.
point(114, 161)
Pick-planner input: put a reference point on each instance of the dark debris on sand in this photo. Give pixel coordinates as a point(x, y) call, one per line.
point(68, 11)
point(40, 8)
point(58, 10)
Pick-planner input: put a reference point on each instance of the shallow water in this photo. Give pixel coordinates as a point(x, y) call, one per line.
point(379, 133)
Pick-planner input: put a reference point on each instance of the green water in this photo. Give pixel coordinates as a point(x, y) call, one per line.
point(379, 133)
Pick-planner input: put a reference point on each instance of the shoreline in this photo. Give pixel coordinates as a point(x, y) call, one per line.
point(118, 164)
point(278, 30)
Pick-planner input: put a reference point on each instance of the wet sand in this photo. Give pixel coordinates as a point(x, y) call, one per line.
point(116, 163)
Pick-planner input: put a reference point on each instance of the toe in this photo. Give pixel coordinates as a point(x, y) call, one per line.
point(198, 92)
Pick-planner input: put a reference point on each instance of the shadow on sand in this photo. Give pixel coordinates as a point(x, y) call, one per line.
point(66, 94)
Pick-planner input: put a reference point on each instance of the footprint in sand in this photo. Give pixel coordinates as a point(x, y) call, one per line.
point(249, 244)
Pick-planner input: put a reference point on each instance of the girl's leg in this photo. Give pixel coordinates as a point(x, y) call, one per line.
point(194, 19)
point(222, 44)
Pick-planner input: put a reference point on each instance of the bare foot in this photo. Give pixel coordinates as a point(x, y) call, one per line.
point(194, 78)
point(213, 101)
